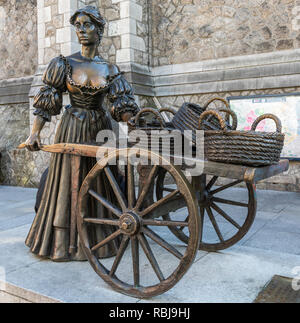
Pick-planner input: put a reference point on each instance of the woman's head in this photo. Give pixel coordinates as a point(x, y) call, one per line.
point(89, 25)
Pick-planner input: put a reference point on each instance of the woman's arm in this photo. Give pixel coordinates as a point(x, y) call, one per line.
point(48, 100)
point(122, 98)
point(33, 142)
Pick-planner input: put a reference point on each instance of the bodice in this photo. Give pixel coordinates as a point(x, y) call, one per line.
point(91, 84)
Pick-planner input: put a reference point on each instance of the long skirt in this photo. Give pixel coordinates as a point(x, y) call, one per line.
point(49, 235)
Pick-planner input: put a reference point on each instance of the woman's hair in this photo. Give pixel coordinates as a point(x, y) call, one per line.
point(94, 15)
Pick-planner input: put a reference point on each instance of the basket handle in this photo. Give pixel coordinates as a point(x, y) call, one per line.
point(153, 111)
point(171, 110)
point(216, 114)
point(267, 116)
point(217, 99)
point(234, 117)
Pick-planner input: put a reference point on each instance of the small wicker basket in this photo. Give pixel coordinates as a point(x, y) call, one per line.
point(242, 147)
point(150, 136)
point(186, 118)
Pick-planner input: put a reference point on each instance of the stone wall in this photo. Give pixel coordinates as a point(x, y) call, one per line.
point(110, 44)
point(18, 39)
point(14, 125)
point(195, 30)
point(19, 59)
point(143, 54)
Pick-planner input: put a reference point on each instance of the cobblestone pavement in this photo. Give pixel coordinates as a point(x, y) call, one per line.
point(237, 274)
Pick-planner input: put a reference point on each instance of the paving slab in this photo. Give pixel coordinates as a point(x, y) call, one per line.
point(235, 275)
point(271, 247)
point(14, 254)
point(281, 241)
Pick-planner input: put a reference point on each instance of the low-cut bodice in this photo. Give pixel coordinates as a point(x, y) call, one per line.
point(88, 91)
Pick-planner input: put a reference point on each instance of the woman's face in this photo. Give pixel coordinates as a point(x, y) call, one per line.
point(86, 30)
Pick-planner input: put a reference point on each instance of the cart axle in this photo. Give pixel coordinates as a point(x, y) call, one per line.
point(130, 223)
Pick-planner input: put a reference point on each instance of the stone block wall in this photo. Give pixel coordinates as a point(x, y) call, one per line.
point(18, 39)
point(195, 30)
point(19, 61)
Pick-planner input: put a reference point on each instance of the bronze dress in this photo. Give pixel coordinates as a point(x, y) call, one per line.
point(49, 235)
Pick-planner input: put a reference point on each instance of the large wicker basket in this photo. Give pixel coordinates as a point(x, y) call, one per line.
point(242, 147)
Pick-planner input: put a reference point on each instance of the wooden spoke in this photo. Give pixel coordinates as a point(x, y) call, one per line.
point(130, 186)
point(101, 221)
point(202, 213)
point(105, 203)
point(225, 216)
point(220, 200)
point(160, 202)
point(211, 182)
point(182, 227)
point(135, 260)
point(121, 251)
point(224, 187)
point(214, 223)
point(166, 223)
point(148, 252)
point(168, 189)
point(151, 234)
point(116, 188)
point(106, 240)
point(146, 187)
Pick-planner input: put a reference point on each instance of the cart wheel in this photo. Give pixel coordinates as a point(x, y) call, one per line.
point(218, 229)
point(161, 265)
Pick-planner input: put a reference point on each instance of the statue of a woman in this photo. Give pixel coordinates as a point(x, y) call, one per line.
point(87, 78)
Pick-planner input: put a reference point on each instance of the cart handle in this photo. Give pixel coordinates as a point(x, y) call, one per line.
point(153, 111)
point(218, 116)
point(267, 116)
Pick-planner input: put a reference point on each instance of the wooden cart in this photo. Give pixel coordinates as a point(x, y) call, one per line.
point(159, 198)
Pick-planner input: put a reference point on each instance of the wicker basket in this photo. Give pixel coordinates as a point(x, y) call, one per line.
point(186, 118)
point(150, 137)
point(242, 147)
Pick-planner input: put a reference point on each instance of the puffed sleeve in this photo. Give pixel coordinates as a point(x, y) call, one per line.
point(48, 101)
point(122, 97)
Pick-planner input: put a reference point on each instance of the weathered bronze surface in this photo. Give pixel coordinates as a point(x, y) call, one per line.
point(88, 79)
point(253, 148)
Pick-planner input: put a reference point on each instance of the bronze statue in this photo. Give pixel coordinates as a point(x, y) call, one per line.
point(87, 78)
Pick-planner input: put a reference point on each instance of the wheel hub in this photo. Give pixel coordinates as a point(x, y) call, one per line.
point(130, 223)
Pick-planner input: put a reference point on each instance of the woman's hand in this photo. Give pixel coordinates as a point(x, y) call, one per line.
point(33, 142)
point(126, 116)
